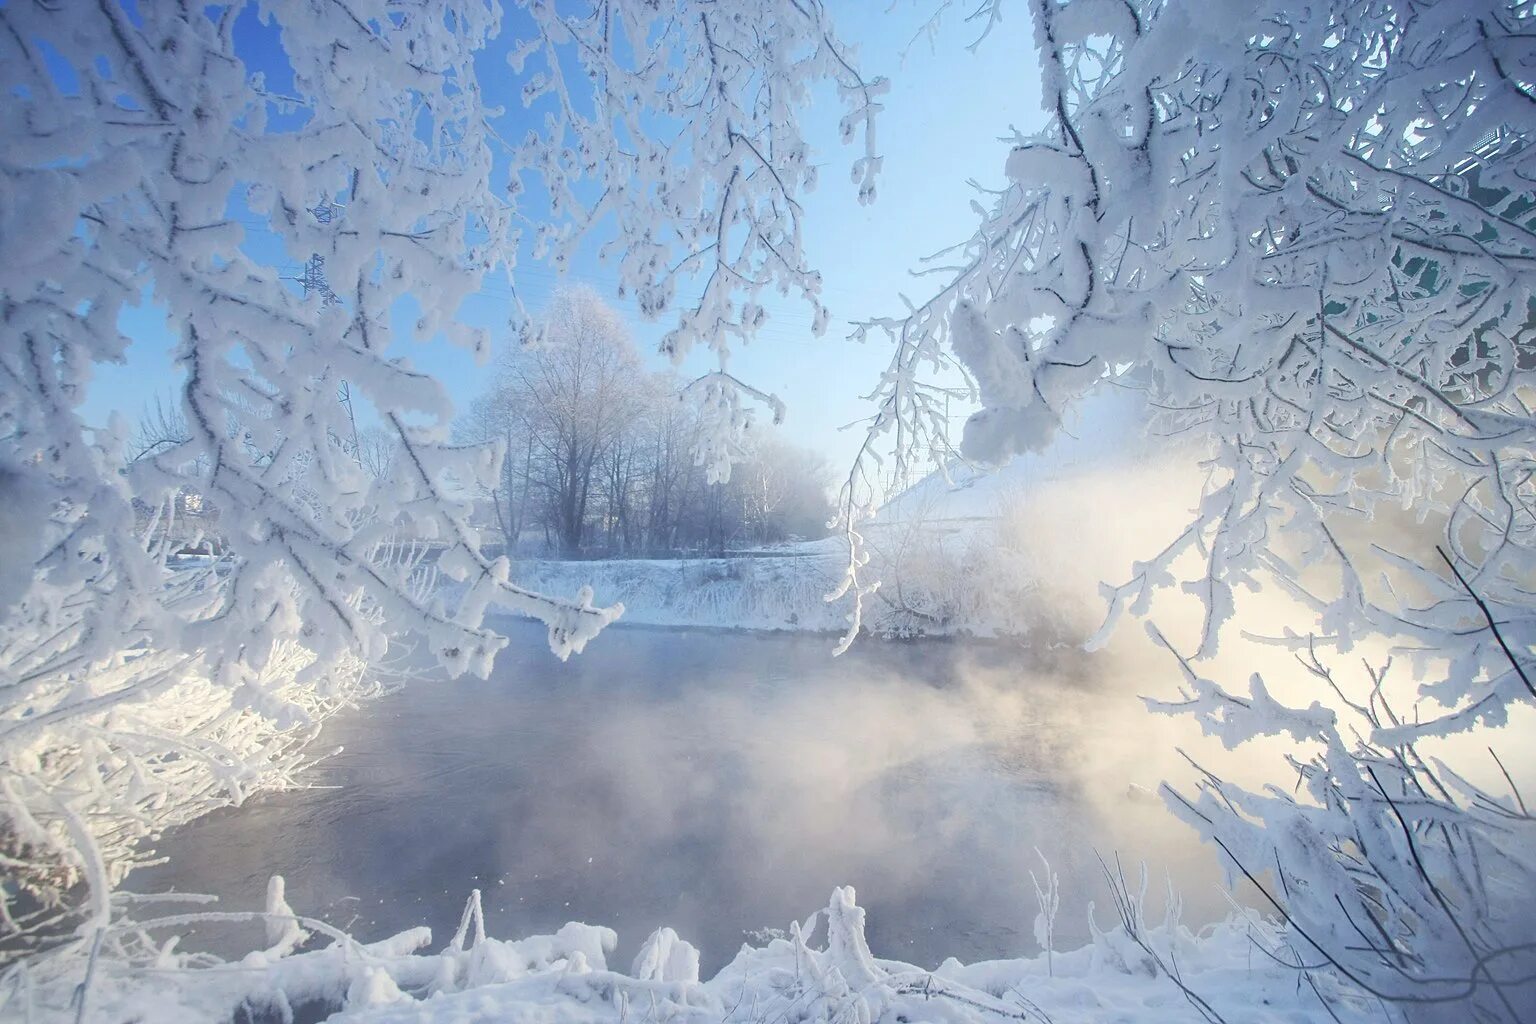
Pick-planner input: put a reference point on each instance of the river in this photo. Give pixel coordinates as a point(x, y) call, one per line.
point(721, 783)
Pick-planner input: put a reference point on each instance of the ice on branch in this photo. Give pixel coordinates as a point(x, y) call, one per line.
point(179, 614)
point(1305, 233)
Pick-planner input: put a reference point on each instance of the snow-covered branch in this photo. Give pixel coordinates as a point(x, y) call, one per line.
point(681, 134)
point(1305, 231)
point(146, 160)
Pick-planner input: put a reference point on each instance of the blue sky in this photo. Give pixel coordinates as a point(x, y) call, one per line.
point(941, 126)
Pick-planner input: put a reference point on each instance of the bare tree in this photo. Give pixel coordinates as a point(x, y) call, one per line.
point(784, 491)
point(161, 426)
point(574, 385)
point(627, 478)
point(377, 451)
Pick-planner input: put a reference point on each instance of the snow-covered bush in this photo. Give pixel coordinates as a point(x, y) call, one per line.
point(1307, 232)
point(84, 796)
point(977, 577)
point(99, 760)
point(1385, 863)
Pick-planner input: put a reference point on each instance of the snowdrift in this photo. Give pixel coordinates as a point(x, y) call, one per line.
point(942, 584)
point(1130, 972)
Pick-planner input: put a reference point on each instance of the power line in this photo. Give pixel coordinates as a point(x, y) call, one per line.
point(784, 326)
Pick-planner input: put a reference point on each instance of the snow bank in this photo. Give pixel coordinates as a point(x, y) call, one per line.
point(941, 582)
point(566, 978)
point(976, 551)
point(768, 591)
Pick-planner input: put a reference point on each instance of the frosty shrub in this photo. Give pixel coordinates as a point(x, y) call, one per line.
point(141, 142)
point(1308, 231)
point(939, 577)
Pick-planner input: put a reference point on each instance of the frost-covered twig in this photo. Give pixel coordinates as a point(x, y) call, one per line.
point(179, 613)
point(1305, 233)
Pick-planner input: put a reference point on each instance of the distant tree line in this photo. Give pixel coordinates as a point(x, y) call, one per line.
point(600, 453)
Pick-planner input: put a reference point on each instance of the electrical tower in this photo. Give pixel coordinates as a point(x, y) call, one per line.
point(313, 277)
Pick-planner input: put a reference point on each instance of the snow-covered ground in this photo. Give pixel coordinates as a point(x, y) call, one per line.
point(778, 589)
point(817, 970)
point(942, 581)
point(971, 552)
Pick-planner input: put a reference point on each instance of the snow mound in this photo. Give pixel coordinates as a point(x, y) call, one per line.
point(565, 978)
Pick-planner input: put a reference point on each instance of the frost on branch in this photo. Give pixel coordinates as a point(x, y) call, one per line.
point(1315, 249)
point(144, 159)
point(1306, 231)
point(683, 137)
point(1377, 838)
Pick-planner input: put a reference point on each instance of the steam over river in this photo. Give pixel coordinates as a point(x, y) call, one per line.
point(722, 783)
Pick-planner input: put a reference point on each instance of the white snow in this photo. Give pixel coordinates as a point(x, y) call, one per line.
point(771, 591)
point(958, 552)
point(820, 969)
point(945, 586)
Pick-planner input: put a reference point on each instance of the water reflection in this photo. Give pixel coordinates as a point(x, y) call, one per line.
point(719, 783)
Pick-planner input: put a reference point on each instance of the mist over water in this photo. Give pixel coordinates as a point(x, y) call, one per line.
point(721, 783)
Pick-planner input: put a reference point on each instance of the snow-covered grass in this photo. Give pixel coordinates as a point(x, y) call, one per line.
point(769, 590)
point(941, 580)
point(819, 969)
point(83, 799)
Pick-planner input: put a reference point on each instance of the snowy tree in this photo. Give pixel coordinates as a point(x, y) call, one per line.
point(628, 476)
point(1308, 231)
point(783, 491)
point(140, 143)
point(575, 386)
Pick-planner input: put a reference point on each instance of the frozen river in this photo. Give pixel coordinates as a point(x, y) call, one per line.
point(719, 783)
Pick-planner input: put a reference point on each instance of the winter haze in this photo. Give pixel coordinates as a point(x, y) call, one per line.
point(767, 511)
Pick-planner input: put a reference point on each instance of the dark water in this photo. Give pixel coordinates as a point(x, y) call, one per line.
point(718, 783)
